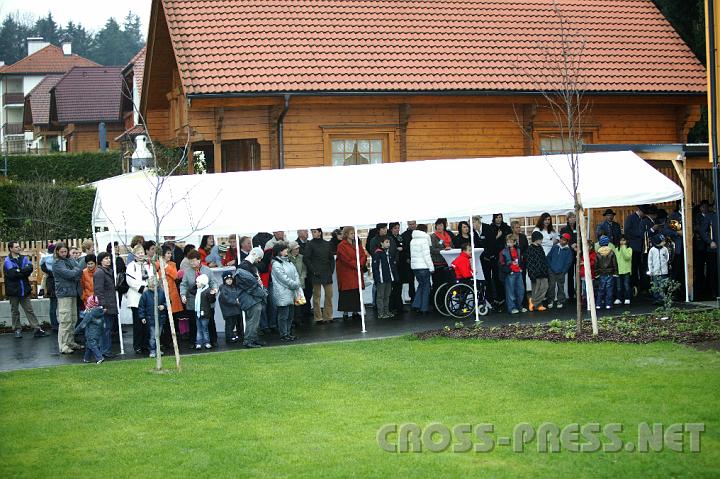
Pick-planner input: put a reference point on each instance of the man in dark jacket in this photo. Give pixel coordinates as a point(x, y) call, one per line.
point(637, 234)
point(707, 231)
point(320, 264)
point(610, 227)
point(404, 269)
point(17, 269)
point(498, 230)
point(482, 237)
point(252, 298)
point(396, 247)
point(104, 290)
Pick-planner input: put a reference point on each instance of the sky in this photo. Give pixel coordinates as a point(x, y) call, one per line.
point(92, 14)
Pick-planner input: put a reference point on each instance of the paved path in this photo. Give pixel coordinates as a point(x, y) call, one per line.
point(30, 352)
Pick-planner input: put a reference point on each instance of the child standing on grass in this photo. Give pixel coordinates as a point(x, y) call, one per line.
point(658, 259)
point(623, 290)
point(384, 273)
point(510, 268)
point(538, 272)
point(606, 268)
point(93, 324)
point(146, 310)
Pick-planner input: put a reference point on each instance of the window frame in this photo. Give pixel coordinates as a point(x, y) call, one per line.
point(386, 136)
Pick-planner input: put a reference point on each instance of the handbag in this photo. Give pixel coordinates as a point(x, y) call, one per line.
point(299, 297)
point(121, 285)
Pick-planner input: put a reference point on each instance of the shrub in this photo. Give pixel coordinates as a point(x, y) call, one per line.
point(65, 167)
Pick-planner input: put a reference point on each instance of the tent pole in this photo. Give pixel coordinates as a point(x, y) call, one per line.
point(237, 265)
point(685, 236)
point(359, 275)
point(117, 300)
point(472, 265)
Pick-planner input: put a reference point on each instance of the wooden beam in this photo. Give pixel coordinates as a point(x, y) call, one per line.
point(687, 217)
point(219, 116)
point(680, 169)
point(404, 119)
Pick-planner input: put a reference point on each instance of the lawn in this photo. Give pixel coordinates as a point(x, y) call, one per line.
point(314, 410)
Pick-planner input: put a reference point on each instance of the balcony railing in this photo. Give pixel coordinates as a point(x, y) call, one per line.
point(13, 98)
point(13, 129)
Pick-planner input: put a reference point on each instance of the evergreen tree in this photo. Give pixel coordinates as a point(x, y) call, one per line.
point(48, 29)
point(13, 35)
point(81, 40)
point(108, 47)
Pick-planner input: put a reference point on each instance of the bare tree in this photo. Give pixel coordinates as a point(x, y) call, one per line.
point(555, 71)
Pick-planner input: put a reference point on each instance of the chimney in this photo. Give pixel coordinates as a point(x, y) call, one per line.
point(2, 63)
point(35, 43)
point(67, 47)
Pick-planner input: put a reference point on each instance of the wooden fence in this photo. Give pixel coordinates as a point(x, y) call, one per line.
point(34, 250)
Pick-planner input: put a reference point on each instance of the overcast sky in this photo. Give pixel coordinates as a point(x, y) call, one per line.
point(91, 13)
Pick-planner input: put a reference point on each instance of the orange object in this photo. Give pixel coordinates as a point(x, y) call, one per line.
point(87, 284)
point(172, 293)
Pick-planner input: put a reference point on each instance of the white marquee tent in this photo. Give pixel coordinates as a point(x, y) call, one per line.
point(289, 199)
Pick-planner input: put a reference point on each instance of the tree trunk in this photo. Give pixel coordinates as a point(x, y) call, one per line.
point(588, 272)
point(170, 314)
point(578, 284)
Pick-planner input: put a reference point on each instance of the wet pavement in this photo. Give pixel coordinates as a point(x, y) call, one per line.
point(30, 352)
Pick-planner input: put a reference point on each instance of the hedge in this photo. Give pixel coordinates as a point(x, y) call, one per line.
point(65, 167)
point(42, 211)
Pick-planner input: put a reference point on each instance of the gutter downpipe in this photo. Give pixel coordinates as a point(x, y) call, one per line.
point(281, 135)
point(712, 124)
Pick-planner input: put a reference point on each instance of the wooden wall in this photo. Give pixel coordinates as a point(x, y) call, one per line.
point(85, 137)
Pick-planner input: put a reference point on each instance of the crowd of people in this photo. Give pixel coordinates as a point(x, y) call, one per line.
point(274, 284)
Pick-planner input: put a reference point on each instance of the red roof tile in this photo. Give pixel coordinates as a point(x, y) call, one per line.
point(88, 94)
point(39, 98)
point(138, 67)
point(50, 59)
point(231, 46)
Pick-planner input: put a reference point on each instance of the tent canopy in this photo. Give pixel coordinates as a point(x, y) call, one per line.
point(272, 200)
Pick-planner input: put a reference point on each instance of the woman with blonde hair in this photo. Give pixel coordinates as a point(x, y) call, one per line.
point(347, 273)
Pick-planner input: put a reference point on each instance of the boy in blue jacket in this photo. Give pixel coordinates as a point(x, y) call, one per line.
point(559, 259)
point(94, 324)
point(146, 311)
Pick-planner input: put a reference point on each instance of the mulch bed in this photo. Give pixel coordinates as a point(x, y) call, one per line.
point(696, 328)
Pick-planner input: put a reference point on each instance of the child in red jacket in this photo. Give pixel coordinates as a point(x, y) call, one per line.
point(461, 265)
point(593, 257)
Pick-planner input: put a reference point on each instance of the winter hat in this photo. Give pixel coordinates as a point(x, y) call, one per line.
point(202, 280)
point(566, 236)
point(279, 247)
point(657, 239)
point(92, 302)
point(227, 274)
point(604, 240)
point(536, 236)
point(293, 245)
point(51, 248)
point(223, 248)
point(255, 254)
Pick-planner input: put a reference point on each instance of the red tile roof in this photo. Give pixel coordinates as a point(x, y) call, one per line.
point(39, 99)
point(235, 46)
point(131, 133)
point(50, 59)
point(88, 94)
point(138, 67)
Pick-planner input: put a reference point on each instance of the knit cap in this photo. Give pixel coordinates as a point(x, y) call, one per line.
point(604, 240)
point(92, 302)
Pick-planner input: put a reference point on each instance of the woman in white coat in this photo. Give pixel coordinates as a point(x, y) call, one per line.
point(137, 274)
point(549, 233)
point(422, 266)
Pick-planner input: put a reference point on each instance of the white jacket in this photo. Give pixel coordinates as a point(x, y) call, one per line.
point(134, 275)
point(658, 259)
point(420, 251)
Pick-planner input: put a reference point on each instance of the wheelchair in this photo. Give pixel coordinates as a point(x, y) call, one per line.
point(456, 298)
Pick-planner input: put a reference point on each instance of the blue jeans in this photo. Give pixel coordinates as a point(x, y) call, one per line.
point(422, 294)
point(161, 321)
point(623, 290)
point(514, 291)
point(92, 346)
point(604, 293)
point(203, 334)
point(105, 343)
point(285, 318)
point(657, 282)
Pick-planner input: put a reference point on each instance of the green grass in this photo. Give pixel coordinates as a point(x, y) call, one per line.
point(314, 411)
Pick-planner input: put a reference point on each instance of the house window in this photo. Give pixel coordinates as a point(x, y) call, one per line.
point(554, 143)
point(356, 151)
point(240, 155)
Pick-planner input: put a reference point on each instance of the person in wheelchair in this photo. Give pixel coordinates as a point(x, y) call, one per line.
point(461, 265)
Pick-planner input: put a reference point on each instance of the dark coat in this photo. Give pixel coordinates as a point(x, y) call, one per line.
point(605, 262)
point(207, 299)
point(403, 259)
point(67, 274)
point(458, 241)
point(384, 267)
point(250, 291)
point(146, 307)
point(229, 302)
point(49, 279)
point(483, 237)
point(495, 244)
point(104, 289)
point(17, 273)
point(612, 230)
point(537, 263)
point(318, 258)
point(635, 232)
point(93, 324)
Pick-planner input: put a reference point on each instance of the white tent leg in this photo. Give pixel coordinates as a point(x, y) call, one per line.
point(472, 265)
point(237, 265)
point(117, 300)
point(685, 237)
point(359, 275)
